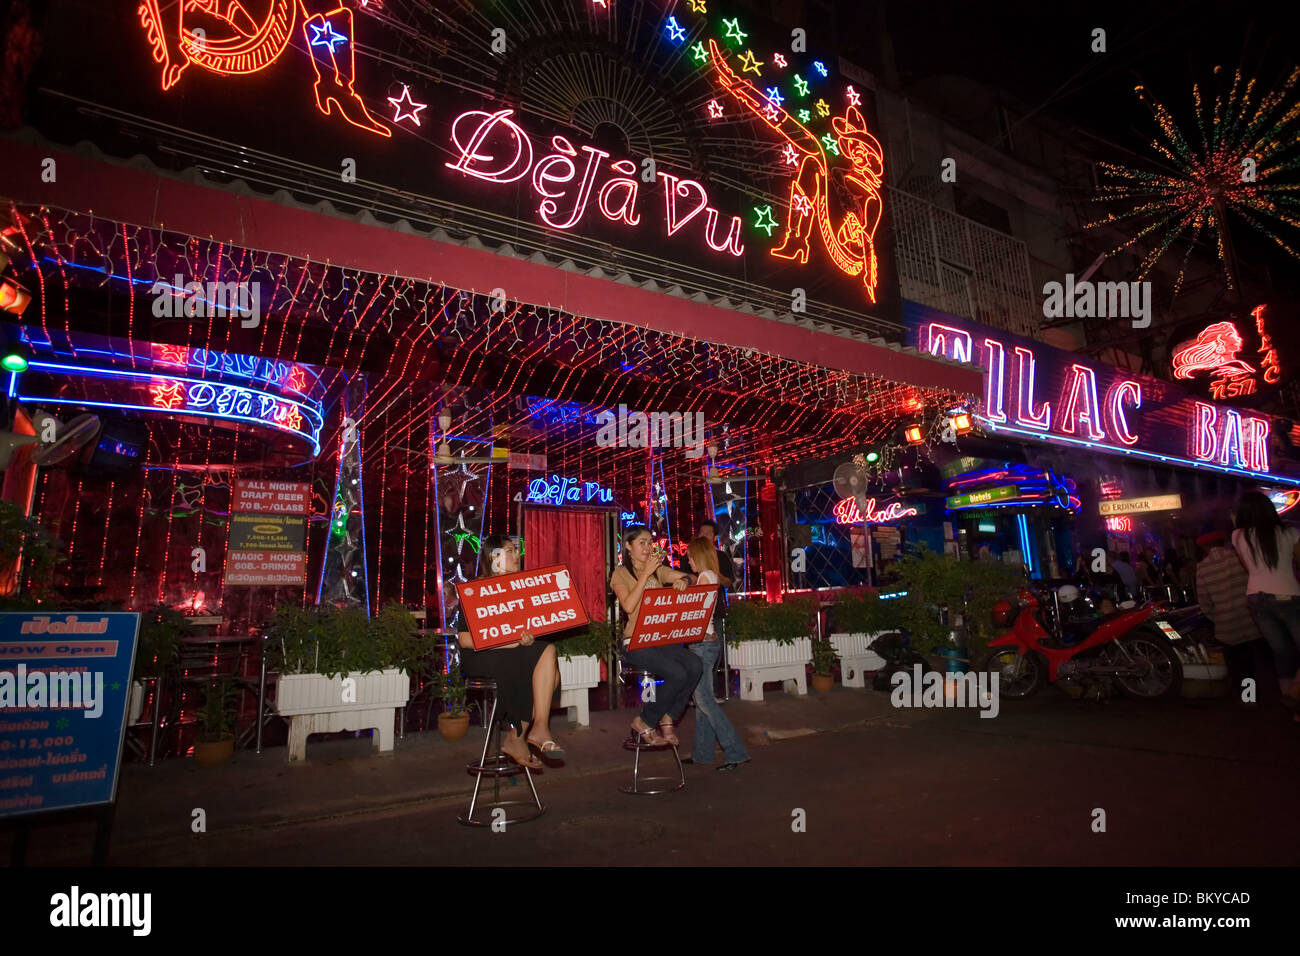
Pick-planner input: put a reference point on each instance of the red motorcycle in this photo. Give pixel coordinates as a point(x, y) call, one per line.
point(1124, 646)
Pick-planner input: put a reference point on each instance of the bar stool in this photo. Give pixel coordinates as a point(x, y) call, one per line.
point(496, 766)
point(636, 744)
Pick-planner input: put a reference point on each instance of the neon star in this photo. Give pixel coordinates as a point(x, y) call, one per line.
point(803, 204)
point(804, 116)
point(734, 32)
point(774, 96)
point(406, 107)
point(855, 98)
point(753, 64)
point(697, 6)
point(817, 65)
point(822, 109)
point(791, 156)
point(831, 144)
point(715, 109)
point(801, 85)
point(675, 30)
point(765, 212)
point(771, 113)
point(325, 36)
point(779, 60)
point(463, 536)
point(700, 53)
point(601, 3)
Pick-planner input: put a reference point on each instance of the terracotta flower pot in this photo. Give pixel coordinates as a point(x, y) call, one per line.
point(212, 753)
point(823, 684)
point(453, 728)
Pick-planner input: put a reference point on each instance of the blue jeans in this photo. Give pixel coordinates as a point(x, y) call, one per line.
point(680, 672)
point(711, 724)
point(1278, 619)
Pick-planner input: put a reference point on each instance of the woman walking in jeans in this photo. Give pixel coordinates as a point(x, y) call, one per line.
point(677, 667)
point(711, 725)
point(1265, 547)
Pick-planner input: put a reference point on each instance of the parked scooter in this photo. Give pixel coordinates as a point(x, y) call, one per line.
point(1125, 647)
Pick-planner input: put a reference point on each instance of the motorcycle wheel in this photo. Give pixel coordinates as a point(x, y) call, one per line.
point(1163, 676)
point(1002, 661)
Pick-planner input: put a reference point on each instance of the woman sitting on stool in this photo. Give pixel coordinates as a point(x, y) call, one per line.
point(677, 667)
point(527, 673)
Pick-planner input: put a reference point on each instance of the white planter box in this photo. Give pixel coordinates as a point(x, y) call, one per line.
point(760, 661)
point(315, 704)
point(578, 676)
point(856, 658)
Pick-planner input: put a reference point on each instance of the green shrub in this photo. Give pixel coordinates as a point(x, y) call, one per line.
point(783, 623)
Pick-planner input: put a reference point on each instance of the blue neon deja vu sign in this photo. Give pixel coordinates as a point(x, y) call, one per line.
point(568, 491)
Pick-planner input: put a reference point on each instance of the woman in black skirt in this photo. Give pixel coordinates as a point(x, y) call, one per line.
point(526, 672)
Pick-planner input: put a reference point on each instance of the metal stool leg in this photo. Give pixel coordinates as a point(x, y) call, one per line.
point(500, 766)
point(482, 760)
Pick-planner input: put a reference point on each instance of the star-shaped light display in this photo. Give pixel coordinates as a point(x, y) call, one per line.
point(804, 116)
point(829, 142)
point(817, 65)
point(405, 107)
point(675, 30)
point(715, 109)
point(325, 36)
point(765, 219)
point(771, 113)
point(749, 62)
point(823, 109)
point(700, 53)
point(802, 204)
point(774, 96)
point(791, 155)
point(734, 32)
point(778, 59)
point(855, 98)
point(697, 6)
point(801, 85)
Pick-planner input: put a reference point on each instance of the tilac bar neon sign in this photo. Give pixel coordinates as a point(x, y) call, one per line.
point(1044, 393)
point(848, 512)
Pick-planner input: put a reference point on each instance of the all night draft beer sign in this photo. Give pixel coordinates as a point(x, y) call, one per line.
point(500, 609)
point(668, 616)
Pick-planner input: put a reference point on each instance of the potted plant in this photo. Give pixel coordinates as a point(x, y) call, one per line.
point(161, 630)
point(22, 537)
point(453, 722)
point(823, 658)
point(579, 657)
point(770, 642)
point(856, 620)
point(216, 718)
point(341, 670)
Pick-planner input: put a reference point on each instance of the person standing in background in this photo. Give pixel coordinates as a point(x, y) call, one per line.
point(1221, 587)
point(1128, 578)
point(1266, 547)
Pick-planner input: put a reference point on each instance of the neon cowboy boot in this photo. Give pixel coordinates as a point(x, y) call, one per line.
point(329, 38)
point(797, 231)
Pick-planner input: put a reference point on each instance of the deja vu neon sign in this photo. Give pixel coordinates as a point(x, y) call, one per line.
point(1043, 392)
point(493, 147)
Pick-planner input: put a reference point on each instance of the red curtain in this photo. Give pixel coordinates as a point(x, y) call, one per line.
point(575, 539)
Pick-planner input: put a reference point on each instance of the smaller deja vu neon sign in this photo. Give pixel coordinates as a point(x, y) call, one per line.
point(564, 491)
point(1036, 391)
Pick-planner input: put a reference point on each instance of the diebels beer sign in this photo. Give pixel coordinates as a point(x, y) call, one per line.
point(684, 139)
point(1038, 392)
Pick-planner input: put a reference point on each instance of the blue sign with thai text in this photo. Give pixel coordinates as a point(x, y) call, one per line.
point(64, 681)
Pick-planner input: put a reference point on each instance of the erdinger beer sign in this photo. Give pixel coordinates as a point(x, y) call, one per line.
point(1035, 391)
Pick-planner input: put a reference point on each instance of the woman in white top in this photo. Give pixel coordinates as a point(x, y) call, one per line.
point(711, 725)
point(1266, 547)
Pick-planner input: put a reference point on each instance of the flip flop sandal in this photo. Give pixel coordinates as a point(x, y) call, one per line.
point(549, 748)
point(532, 764)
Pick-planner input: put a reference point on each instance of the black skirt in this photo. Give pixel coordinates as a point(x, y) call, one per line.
point(512, 669)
